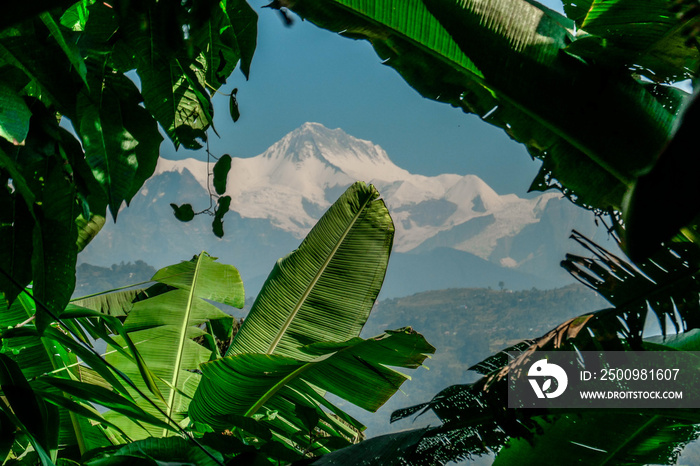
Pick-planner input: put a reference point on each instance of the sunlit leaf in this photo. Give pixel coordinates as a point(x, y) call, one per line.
point(107, 398)
point(163, 327)
point(333, 277)
point(14, 115)
point(355, 370)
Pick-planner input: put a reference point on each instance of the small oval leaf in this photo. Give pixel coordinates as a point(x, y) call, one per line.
point(221, 169)
point(184, 213)
point(222, 208)
point(233, 108)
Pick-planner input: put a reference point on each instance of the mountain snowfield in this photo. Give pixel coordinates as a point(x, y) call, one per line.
point(451, 230)
point(299, 177)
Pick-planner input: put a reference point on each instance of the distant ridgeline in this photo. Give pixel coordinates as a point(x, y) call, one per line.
point(93, 279)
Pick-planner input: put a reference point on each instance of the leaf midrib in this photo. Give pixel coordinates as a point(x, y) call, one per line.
point(182, 338)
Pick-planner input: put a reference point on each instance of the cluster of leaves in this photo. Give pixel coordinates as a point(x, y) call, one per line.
point(477, 422)
point(78, 137)
point(163, 374)
point(219, 175)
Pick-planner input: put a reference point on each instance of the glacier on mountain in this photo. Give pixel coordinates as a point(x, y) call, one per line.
point(299, 177)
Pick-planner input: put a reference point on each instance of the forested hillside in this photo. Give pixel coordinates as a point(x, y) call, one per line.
point(94, 279)
point(467, 325)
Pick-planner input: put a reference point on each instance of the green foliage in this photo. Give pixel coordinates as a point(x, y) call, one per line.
point(334, 278)
point(163, 327)
point(68, 64)
point(582, 103)
point(160, 338)
point(475, 422)
point(348, 249)
point(185, 213)
point(50, 363)
point(354, 370)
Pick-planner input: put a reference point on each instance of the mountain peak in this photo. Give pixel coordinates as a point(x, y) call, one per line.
point(334, 148)
point(311, 126)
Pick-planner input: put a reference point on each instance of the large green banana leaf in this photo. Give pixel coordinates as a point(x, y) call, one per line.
point(356, 370)
point(644, 36)
point(163, 327)
point(325, 290)
point(509, 61)
point(300, 337)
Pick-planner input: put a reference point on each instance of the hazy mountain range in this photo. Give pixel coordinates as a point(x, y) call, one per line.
point(451, 230)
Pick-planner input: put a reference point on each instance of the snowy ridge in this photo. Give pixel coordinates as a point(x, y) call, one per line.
point(299, 177)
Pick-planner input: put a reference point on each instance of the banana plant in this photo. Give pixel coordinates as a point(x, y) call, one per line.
point(302, 333)
point(163, 328)
point(354, 370)
point(299, 340)
point(325, 290)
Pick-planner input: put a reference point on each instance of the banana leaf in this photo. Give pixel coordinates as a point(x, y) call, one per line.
point(639, 35)
point(325, 290)
point(51, 359)
point(117, 304)
point(357, 371)
point(475, 422)
point(667, 283)
point(163, 327)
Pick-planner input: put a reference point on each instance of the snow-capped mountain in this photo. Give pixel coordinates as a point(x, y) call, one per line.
point(298, 178)
point(278, 195)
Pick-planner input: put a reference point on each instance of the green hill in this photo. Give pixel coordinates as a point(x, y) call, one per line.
point(91, 279)
point(467, 325)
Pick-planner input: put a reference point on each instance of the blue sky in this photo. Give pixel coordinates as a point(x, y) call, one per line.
point(303, 73)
